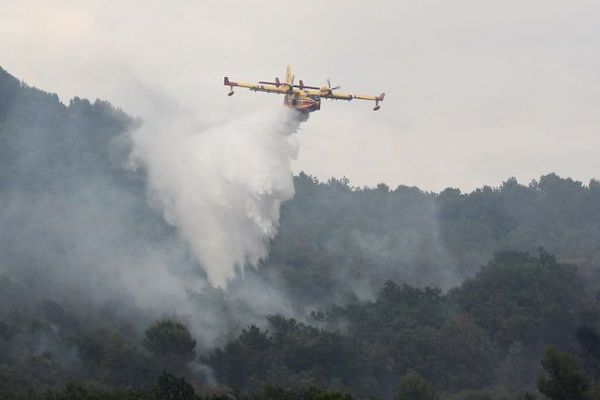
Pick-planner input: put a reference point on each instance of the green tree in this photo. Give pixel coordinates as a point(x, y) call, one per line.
point(518, 297)
point(528, 396)
point(589, 341)
point(414, 387)
point(171, 346)
point(169, 338)
point(169, 387)
point(563, 377)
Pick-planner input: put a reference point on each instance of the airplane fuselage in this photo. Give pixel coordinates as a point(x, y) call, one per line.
point(302, 102)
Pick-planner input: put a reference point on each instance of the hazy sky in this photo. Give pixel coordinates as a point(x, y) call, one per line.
point(476, 91)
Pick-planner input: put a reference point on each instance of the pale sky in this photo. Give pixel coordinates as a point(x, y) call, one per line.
point(476, 91)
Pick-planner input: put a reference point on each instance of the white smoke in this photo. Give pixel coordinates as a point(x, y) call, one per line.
point(222, 186)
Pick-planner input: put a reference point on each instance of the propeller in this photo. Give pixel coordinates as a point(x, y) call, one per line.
point(331, 89)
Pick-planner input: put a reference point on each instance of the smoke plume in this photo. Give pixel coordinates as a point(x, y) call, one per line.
point(221, 186)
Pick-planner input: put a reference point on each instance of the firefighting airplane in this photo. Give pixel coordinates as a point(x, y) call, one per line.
point(301, 97)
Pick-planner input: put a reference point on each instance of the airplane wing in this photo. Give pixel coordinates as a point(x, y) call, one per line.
point(344, 96)
point(281, 89)
point(376, 99)
point(347, 96)
point(331, 95)
point(373, 98)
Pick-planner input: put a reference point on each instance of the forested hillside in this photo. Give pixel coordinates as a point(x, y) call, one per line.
point(367, 292)
point(354, 239)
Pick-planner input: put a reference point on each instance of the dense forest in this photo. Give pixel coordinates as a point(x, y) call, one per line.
point(371, 292)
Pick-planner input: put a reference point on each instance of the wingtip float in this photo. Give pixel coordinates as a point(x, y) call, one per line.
point(299, 96)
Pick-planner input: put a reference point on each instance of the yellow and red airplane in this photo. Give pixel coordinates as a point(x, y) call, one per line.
point(301, 97)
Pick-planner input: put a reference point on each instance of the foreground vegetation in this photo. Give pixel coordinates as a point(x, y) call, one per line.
point(483, 338)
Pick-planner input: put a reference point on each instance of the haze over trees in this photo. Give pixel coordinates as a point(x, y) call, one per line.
point(385, 292)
